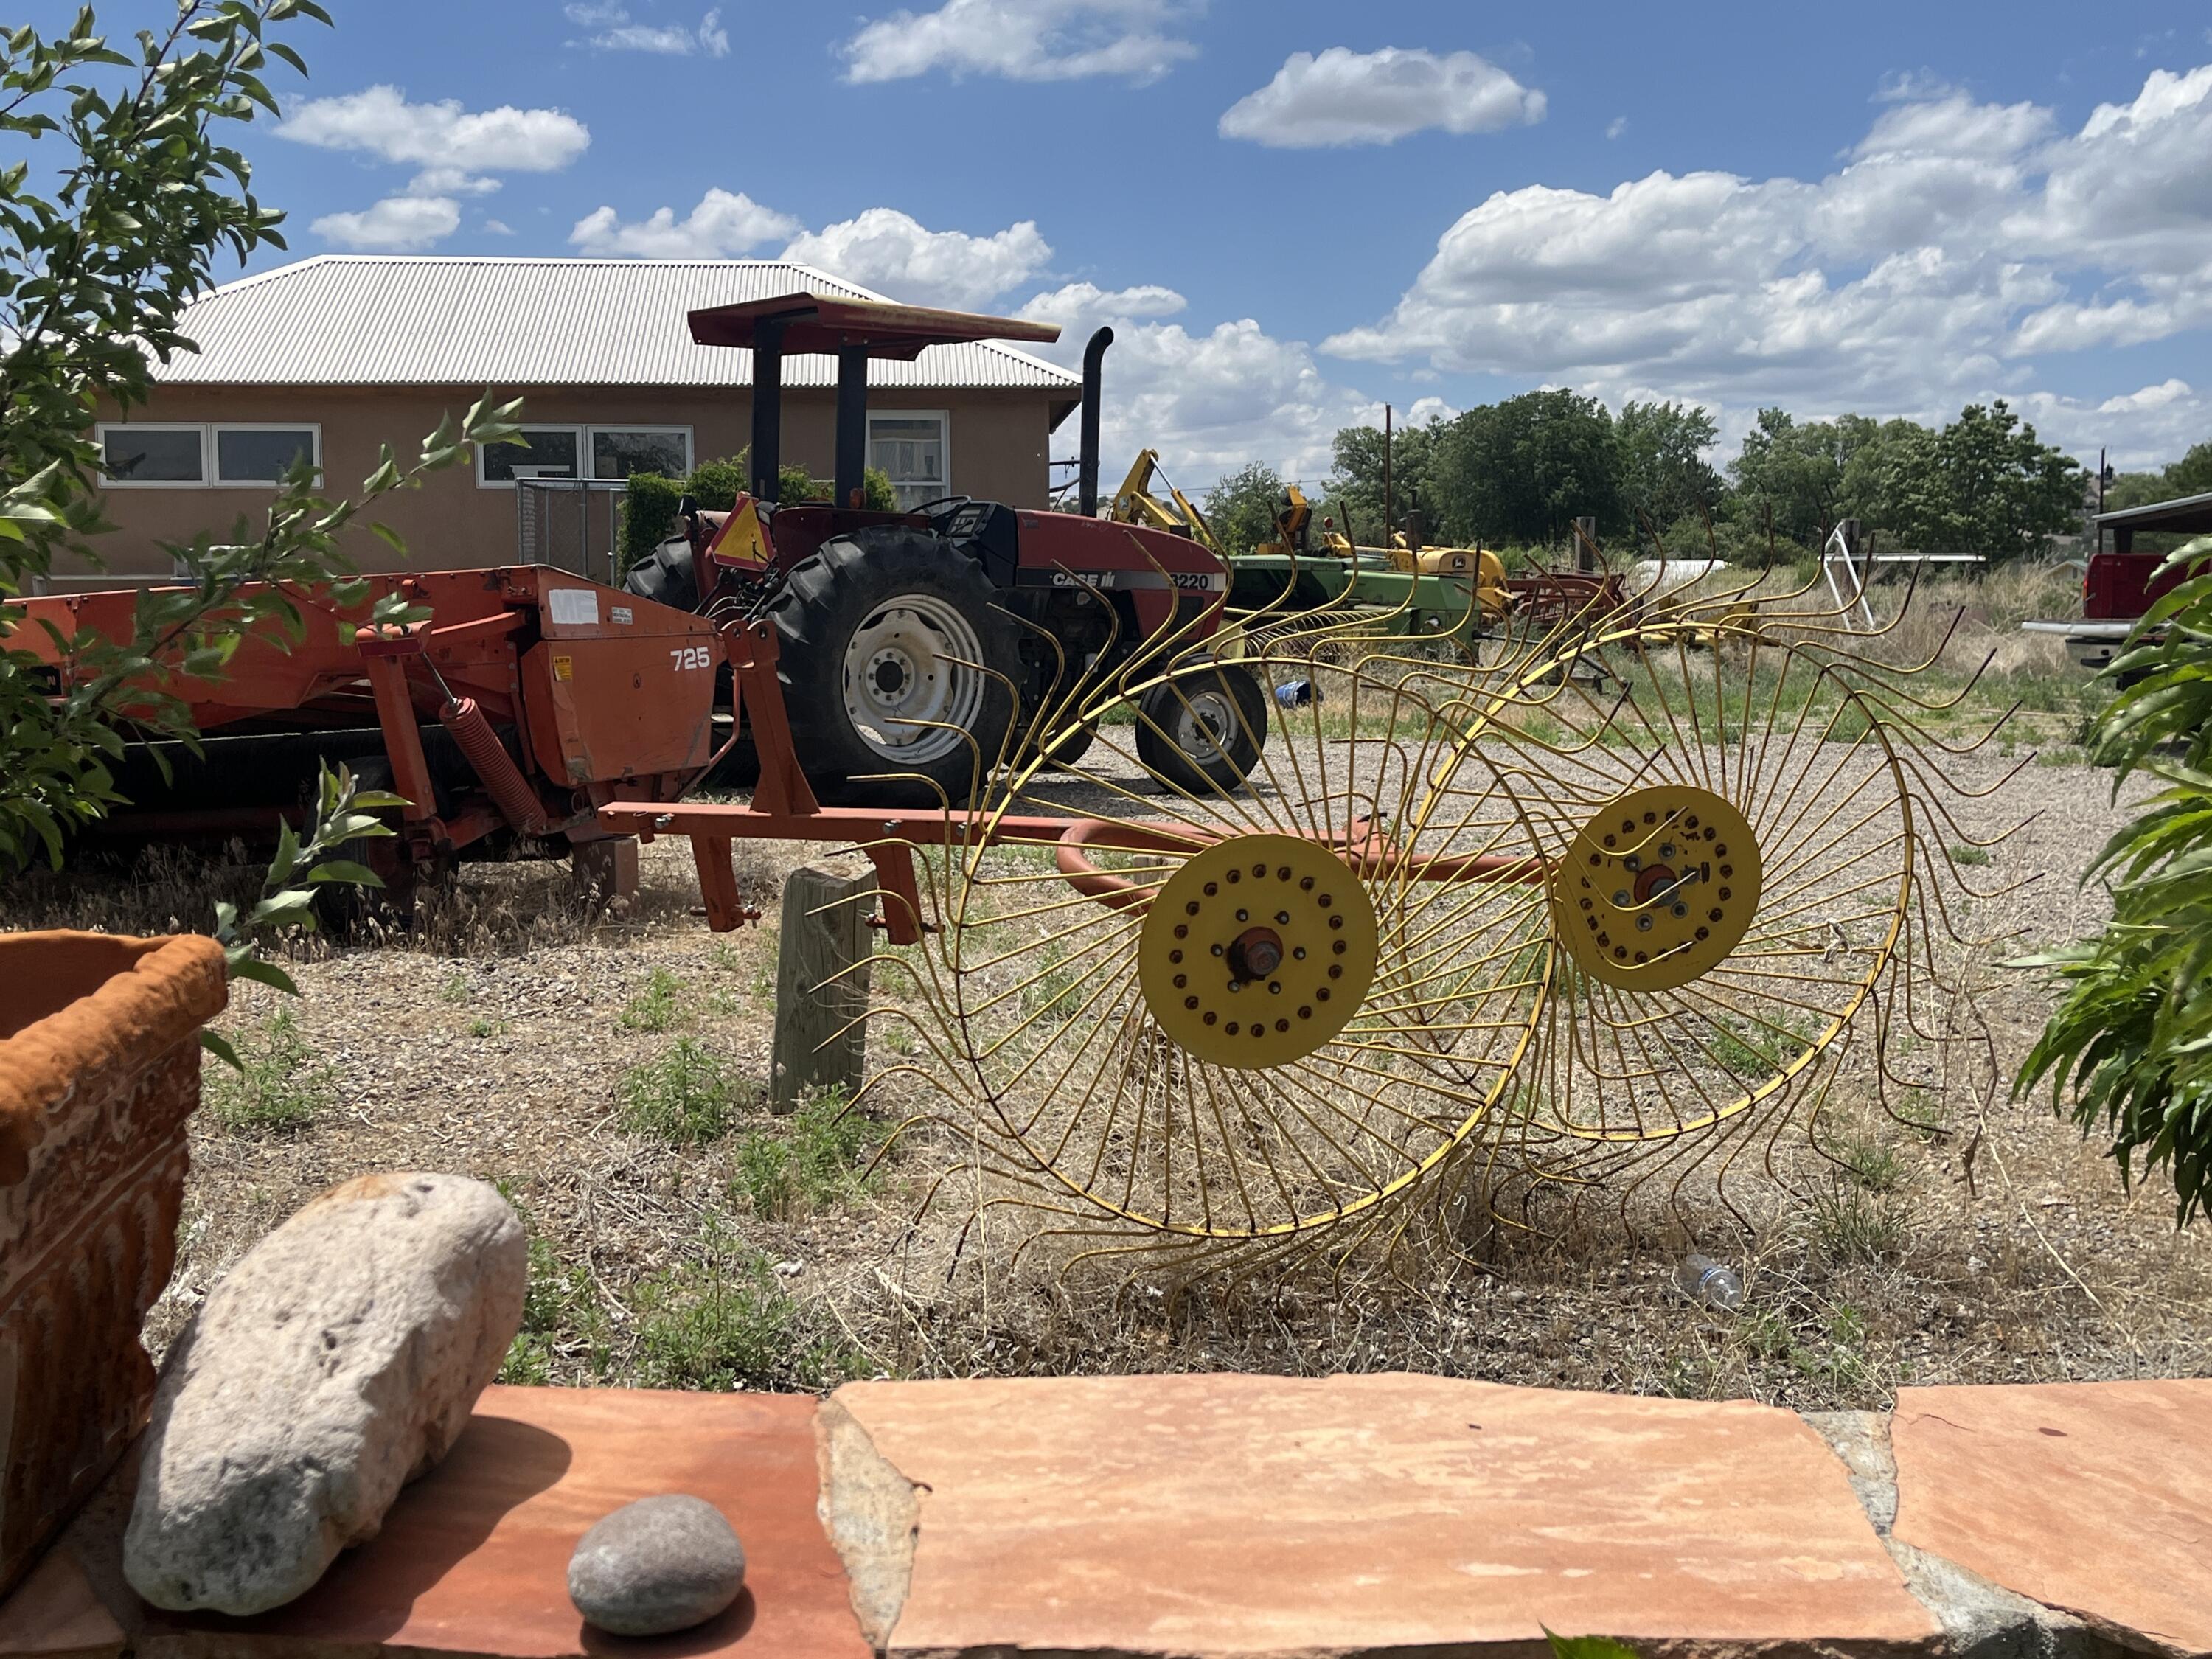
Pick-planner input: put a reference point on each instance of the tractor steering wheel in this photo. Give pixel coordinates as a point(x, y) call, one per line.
point(949, 504)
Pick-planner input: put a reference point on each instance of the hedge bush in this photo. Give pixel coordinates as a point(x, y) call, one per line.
point(650, 501)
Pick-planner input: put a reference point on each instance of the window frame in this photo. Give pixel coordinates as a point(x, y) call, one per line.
point(943, 419)
point(656, 428)
point(212, 454)
point(585, 431)
point(583, 454)
point(101, 428)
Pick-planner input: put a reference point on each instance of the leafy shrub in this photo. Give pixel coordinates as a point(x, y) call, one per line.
point(2132, 1034)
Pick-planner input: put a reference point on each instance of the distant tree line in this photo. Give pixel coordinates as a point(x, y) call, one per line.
point(1518, 473)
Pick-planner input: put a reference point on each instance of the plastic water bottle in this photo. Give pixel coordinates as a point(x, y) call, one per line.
point(1296, 694)
point(1707, 1282)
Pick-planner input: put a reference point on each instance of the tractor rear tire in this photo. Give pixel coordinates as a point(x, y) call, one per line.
point(1202, 729)
point(665, 576)
point(898, 670)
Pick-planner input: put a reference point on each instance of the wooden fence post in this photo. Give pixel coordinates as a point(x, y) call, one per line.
point(1586, 543)
point(821, 988)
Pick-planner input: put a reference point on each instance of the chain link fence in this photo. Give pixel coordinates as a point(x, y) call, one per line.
point(571, 524)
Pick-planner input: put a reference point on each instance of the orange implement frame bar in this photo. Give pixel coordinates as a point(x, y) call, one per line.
point(783, 808)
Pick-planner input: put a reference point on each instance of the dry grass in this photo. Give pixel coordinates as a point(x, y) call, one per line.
point(607, 1070)
point(755, 1251)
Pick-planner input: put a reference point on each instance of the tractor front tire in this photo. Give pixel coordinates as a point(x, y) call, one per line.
point(1202, 729)
point(898, 670)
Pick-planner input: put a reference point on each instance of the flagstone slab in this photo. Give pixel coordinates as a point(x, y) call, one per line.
point(1244, 1516)
point(2095, 1497)
point(54, 1614)
point(472, 1561)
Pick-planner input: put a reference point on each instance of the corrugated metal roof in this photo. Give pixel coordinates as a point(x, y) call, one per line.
point(377, 319)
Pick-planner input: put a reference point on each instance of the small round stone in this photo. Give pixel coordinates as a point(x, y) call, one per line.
point(657, 1566)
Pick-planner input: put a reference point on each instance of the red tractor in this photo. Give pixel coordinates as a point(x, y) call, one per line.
point(914, 652)
point(914, 646)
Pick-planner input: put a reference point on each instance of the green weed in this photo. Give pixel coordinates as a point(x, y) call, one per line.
point(1917, 1111)
point(1966, 853)
point(684, 1097)
point(279, 1085)
point(654, 1008)
point(726, 1323)
point(484, 1026)
point(455, 989)
point(1873, 1165)
point(805, 1161)
point(558, 1305)
point(1849, 1224)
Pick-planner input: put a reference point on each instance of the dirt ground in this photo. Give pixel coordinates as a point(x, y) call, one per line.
point(607, 1070)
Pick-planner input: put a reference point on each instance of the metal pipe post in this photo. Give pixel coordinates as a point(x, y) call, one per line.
point(1087, 466)
point(768, 406)
point(852, 424)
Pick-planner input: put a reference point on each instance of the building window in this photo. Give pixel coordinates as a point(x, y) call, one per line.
point(167, 456)
point(262, 454)
point(619, 451)
point(178, 457)
point(545, 452)
point(911, 447)
point(610, 453)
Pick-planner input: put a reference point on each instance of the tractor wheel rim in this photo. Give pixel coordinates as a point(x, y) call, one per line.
point(1205, 726)
point(912, 689)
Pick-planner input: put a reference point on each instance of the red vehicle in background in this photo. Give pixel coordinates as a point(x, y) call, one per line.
point(2120, 584)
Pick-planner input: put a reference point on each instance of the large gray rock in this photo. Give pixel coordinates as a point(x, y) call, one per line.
point(659, 1564)
point(337, 1362)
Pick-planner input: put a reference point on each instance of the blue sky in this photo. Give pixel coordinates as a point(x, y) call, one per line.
point(1293, 212)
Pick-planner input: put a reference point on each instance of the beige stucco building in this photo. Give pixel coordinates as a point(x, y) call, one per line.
point(339, 355)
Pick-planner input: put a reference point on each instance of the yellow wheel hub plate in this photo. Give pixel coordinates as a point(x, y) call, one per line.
point(1658, 888)
point(1256, 951)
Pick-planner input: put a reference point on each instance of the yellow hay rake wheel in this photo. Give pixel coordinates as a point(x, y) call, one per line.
point(1658, 887)
point(1256, 951)
point(1089, 1075)
point(1600, 909)
point(1730, 847)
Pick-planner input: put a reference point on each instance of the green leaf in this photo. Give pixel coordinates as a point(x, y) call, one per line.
point(1587, 1647)
point(344, 870)
point(266, 973)
point(219, 1045)
point(289, 905)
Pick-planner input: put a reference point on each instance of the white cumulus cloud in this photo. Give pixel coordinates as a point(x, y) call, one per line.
point(399, 224)
point(1956, 242)
point(1209, 400)
point(617, 30)
point(893, 253)
point(1023, 40)
point(722, 225)
point(1077, 301)
point(883, 249)
point(380, 122)
point(1345, 97)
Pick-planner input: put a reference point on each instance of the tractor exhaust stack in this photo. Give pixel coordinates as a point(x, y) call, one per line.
point(1087, 466)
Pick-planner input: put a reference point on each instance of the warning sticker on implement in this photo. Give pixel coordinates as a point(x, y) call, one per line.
point(620, 614)
point(574, 606)
point(564, 668)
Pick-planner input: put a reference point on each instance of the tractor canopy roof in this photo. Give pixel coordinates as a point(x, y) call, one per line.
point(818, 323)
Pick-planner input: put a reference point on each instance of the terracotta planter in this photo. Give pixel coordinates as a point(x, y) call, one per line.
point(99, 1068)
